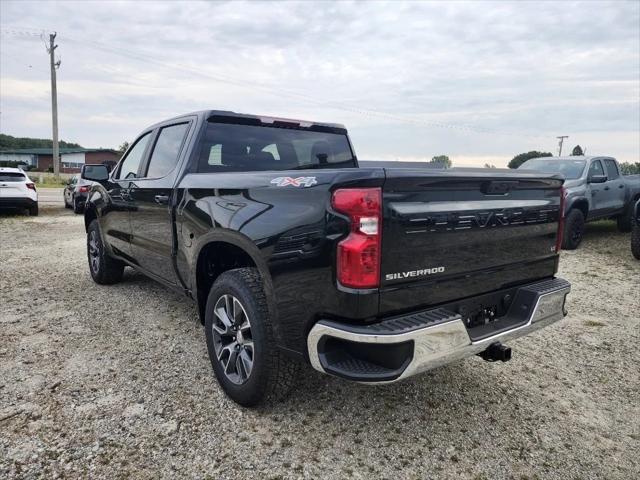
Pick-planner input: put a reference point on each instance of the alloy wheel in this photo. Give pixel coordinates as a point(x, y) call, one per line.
point(232, 339)
point(94, 251)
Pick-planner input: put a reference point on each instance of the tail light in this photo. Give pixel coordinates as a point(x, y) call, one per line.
point(359, 253)
point(563, 196)
point(31, 186)
point(84, 188)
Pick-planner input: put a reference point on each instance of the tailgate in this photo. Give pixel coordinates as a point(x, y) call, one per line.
point(450, 234)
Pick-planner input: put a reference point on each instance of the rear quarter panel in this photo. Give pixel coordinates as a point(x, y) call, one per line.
point(289, 231)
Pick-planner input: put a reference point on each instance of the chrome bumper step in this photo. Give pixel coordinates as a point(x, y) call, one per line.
point(405, 345)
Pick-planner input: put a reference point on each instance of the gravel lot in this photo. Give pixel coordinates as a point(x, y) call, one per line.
point(114, 382)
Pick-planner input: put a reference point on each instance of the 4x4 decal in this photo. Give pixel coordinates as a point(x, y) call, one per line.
point(295, 182)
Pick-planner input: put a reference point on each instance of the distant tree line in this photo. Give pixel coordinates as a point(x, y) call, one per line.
point(628, 168)
point(8, 142)
point(443, 160)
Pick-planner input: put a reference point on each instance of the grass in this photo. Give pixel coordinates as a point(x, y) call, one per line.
point(594, 323)
point(51, 183)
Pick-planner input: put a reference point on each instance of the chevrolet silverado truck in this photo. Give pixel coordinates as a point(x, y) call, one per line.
point(295, 252)
point(595, 190)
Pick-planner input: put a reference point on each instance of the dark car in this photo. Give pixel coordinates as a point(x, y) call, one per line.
point(635, 232)
point(297, 252)
point(76, 192)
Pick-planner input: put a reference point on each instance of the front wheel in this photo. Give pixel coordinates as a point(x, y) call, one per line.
point(249, 367)
point(104, 269)
point(573, 229)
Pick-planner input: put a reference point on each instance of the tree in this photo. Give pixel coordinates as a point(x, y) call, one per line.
point(123, 148)
point(523, 157)
point(442, 160)
point(630, 168)
point(9, 142)
point(577, 151)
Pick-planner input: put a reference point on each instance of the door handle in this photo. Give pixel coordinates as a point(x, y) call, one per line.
point(606, 188)
point(162, 199)
point(620, 186)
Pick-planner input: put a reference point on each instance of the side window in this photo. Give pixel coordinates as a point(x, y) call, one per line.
point(129, 167)
point(166, 150)
point(273, 150)
point(612, 169)
point(596, 168)
point(215, 155)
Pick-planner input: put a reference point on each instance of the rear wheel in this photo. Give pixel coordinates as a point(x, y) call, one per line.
point(77, 207)
point(635, 240)
point(33, 211)
point(573, 230)
point(66, 204)
point(104, 269)
point(625, 219)
point(249, 367)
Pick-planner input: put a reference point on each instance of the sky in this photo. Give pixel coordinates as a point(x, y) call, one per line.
point(478, 81)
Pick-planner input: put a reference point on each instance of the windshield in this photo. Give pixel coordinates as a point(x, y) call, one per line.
point(571, 169)
point(234, 148)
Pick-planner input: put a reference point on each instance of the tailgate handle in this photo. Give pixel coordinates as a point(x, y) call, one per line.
point(498, 187)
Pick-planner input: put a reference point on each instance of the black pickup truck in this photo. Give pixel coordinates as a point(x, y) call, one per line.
point(296, 252)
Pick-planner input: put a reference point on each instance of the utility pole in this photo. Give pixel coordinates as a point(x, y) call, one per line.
point(561, 138)
point(54, 103)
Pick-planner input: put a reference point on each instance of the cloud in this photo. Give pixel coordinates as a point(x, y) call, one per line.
point(514, 74)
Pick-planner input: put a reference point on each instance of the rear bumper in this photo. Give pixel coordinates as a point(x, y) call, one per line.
point(17, 202)
point(403, 346)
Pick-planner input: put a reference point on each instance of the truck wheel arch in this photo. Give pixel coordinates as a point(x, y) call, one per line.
point(90, 214)
point(217, 254)
point(581, 204)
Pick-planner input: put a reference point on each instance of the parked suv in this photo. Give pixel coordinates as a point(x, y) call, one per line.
point(595, 190)
point(17, 190)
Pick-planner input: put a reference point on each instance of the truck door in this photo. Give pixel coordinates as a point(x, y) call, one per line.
point(598, 193)
point(116, 218)
point(151, 221)
point(616, 192)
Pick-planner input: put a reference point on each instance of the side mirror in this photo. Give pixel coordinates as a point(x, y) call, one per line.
point(597, 179)
point(94, 173)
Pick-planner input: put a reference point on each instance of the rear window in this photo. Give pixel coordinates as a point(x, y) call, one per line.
point(232, 148)
point(12, 177)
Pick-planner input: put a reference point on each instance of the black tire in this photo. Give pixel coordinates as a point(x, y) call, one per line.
point(625, 219)
point(104, 269)
point(271, 374)
point(33, 211)
point(77, 208)
point(573, 229)
point(635, 241)
point(66, 204)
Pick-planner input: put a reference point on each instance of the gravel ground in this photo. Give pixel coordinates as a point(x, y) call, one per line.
point(114, 382)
